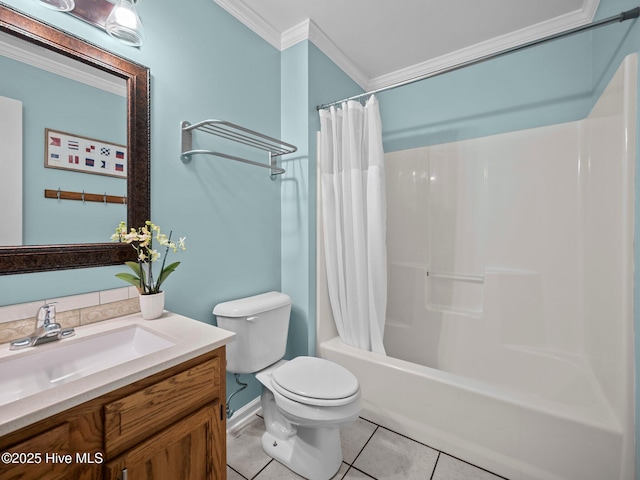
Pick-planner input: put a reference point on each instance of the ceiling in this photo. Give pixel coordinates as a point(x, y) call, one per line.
point(381, 42)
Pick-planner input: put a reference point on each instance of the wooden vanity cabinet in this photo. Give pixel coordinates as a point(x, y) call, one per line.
point(184, 451)
point(167, 426)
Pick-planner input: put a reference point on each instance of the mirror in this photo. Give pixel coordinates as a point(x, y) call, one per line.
point(36, 258)
point(44, 91)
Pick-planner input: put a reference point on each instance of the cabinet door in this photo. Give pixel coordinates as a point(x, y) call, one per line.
point(188, 450)
point(42, 456)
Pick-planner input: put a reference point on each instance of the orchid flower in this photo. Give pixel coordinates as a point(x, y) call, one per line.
point(141, 240)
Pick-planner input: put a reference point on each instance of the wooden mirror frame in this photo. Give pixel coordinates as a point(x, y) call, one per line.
point(40, 258)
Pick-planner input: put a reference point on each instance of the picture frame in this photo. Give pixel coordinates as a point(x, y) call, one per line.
point(68, 151)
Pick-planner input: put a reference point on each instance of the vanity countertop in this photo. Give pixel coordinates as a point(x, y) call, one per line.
point(190, 338)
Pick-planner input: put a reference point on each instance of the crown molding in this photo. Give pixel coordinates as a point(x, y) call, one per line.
point(297, 34)
point(334, 53)
point(504, 42)
point(252, 20)
point(38, 57)
point(308, 30)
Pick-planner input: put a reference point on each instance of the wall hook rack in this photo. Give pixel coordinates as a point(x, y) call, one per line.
point(84, 197)
point(238, 134)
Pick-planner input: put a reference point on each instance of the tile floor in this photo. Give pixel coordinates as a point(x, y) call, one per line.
point(370, 452)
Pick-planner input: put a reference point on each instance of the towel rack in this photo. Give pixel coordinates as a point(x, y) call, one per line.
point(457, 276)
point(236, 133)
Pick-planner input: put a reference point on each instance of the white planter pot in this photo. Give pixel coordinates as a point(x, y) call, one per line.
point(151, 306)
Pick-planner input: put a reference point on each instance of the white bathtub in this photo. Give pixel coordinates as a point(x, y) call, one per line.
point(512, 306)
point(521, 435)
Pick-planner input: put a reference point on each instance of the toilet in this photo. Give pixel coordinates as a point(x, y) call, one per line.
point(305, 401)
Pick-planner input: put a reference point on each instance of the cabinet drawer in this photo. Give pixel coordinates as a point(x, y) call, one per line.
point(141, 414)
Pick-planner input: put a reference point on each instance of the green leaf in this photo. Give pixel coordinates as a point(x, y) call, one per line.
point(127, 277)
point(166, 271)
point(135, 266)
point(140, 278)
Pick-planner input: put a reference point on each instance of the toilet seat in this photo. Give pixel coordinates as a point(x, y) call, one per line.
point(315, 381)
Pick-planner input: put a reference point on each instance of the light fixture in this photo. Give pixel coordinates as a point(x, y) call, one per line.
point(121, 20)
point(124, 23)
point(60, 5)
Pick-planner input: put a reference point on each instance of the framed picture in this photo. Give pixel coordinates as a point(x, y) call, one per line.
point(73, 152)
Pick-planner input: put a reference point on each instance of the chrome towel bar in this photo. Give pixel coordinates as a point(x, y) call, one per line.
point(238, 134)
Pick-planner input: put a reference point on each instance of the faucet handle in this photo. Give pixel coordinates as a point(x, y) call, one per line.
point(46, 314)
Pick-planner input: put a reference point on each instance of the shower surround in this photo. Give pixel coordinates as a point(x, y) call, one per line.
point(510, 311)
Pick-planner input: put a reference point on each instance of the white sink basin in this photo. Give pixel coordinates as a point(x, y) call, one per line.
point(47, 366)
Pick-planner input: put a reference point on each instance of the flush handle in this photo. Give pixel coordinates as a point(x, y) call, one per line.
point(252, 319)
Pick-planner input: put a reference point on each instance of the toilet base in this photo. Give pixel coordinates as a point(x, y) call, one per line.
point(306, 439)
point(314, 453)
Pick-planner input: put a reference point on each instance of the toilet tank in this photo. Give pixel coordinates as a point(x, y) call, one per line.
point(261, 325)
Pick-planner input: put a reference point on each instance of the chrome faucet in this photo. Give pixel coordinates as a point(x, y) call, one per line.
point(47, 329)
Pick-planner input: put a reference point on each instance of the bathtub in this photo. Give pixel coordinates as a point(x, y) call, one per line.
point(512, 309)
point(522, 435)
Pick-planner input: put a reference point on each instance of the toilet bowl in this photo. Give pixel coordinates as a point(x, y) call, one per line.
point(305, 401)
point(304, 410)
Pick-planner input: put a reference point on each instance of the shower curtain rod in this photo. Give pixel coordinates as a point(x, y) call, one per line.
point(621, 17)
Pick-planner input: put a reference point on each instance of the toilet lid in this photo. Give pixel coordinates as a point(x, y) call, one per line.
point(310, 378)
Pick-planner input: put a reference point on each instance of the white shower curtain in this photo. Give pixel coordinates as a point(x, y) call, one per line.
point(354, 221)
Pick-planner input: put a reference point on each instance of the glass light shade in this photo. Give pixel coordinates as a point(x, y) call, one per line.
point(124, 24)
point(60, 5)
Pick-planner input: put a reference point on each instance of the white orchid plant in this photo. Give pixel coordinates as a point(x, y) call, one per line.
point(142, 241)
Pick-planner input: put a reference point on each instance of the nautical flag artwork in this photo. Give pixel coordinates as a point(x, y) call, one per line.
point(74, 152)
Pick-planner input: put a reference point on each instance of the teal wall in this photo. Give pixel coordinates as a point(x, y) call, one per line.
point(295, 229)
point(547, 84)
point(309, 78)
point(204, 64)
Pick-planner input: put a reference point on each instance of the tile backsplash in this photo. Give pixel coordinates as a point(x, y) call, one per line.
point(17, 321)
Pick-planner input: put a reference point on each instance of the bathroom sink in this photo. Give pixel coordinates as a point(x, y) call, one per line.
point(45, 367)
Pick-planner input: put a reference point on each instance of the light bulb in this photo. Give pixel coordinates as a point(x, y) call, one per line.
point(124, 24)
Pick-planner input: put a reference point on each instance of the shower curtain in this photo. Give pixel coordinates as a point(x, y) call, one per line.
point(354, 221)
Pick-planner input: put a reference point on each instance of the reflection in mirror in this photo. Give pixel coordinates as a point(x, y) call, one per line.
point(40, 89)
point(108, 103)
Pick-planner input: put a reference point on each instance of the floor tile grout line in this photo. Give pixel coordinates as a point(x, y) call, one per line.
point(365, 445)
point(229, 466)
point(347, 471)
point(476, 466)
point(262, 469)
point(402, 435)
point(377, 427)
point(362, 472)
point(435, 465)
point(350, 465)
point(437, 450)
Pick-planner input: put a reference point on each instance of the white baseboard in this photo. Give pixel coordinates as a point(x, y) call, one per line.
point(244, 415)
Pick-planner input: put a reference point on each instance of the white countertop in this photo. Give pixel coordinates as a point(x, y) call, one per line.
point(191, 337)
